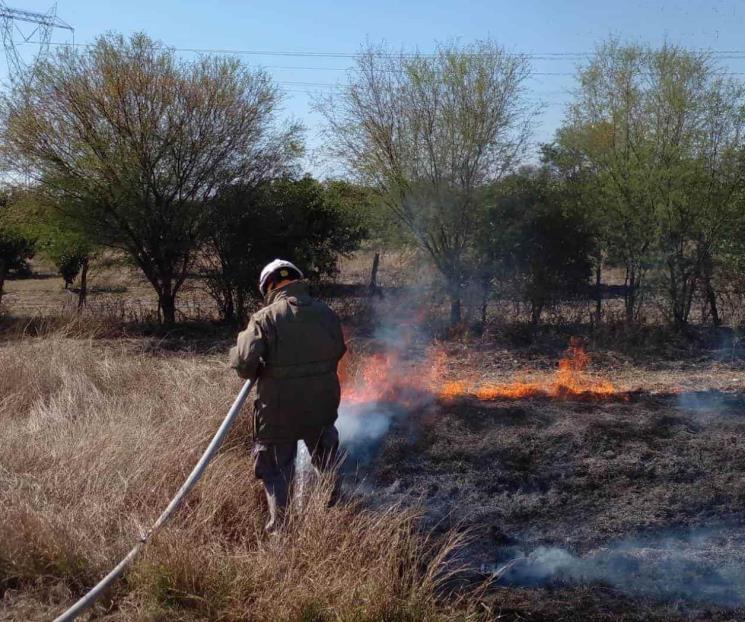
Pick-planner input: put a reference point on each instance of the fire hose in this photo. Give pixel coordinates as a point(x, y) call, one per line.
point(93, 595)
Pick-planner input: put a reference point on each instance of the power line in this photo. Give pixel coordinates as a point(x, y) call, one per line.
point(726, 55)
point(532, 73)
point(722, 54)
point(326, 86)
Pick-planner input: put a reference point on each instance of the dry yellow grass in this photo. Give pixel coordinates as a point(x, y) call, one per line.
point(96, 438)
point(115, 291)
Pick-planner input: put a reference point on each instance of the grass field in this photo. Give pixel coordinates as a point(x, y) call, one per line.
point(626, 508)
point(97, 436)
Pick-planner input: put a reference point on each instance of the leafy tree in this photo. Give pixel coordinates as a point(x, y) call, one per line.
point(57, 237)
point(251, 225)
point(582, 195)
point(69, 264)
point(383, 229)
point(607, 126)
point(71, 254)
point(365, 205)
point(15, 249)
point(131, 143)
point(700, 174)
point(428, 132)
point(532, 240)
point(662, 129)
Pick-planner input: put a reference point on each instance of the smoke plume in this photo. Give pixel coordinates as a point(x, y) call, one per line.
point(385, 384)
point(703, 565)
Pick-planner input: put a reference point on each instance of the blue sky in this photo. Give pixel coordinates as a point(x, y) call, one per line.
point(528, 26)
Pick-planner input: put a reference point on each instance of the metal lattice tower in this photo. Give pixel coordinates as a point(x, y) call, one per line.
point(40, 34)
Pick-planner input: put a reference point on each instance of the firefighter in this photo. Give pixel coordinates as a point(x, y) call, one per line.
point(292, 348)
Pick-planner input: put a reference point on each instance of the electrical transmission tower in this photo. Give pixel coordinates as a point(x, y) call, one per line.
point(40, 34)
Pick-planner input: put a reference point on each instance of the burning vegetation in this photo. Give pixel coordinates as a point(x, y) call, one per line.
point(569, 483)
point(394, 377)
point(601, 509)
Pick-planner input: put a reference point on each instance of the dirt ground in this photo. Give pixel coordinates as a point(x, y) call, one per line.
point(116, 291)
point(119, 291)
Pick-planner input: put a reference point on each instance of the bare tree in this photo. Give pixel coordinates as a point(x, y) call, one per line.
point(428, 132)
point(132, 142)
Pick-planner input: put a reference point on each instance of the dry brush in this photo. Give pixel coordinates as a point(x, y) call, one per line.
point(98, 435)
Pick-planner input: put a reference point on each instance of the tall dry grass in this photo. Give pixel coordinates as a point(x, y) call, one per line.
point(95, 438)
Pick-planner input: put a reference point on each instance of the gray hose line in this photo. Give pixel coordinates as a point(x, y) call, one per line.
point(91, 597)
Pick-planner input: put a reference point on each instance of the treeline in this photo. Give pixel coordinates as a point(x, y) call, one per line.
point(645, 174)
point(186, 168)
point(183, 167)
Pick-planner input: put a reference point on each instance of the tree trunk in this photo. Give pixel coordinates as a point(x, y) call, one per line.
point(681, 289)
point(674, 295)
point(83, 292)
point(536, 308)
point(691, 292)
point(710, 294)
point(629, 295)
point(373, 288)
point(228, 305)
point(455, 308)
point(3, 270)
point(167, 303)
point(484, 302)
point(598, 292)
point(712, 299)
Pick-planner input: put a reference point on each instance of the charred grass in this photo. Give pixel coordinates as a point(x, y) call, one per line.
point(589, 471)
point(579, 473)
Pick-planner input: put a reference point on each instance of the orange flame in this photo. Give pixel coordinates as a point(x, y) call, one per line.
point(390, 377)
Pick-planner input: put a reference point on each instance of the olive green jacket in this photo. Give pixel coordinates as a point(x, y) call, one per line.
point(292, 346)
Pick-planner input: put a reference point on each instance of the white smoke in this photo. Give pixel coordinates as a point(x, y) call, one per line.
point(703, 565)
point(401, 339)
point(361, 426)
point(363, 429)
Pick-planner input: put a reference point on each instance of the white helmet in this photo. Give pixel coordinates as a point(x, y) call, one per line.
point(285, 269)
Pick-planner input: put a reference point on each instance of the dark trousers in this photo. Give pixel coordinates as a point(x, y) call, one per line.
point(274, 465)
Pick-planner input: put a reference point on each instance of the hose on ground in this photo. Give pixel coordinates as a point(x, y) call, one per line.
point(86, 601)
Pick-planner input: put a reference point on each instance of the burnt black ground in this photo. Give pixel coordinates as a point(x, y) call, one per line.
point(582, 476)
